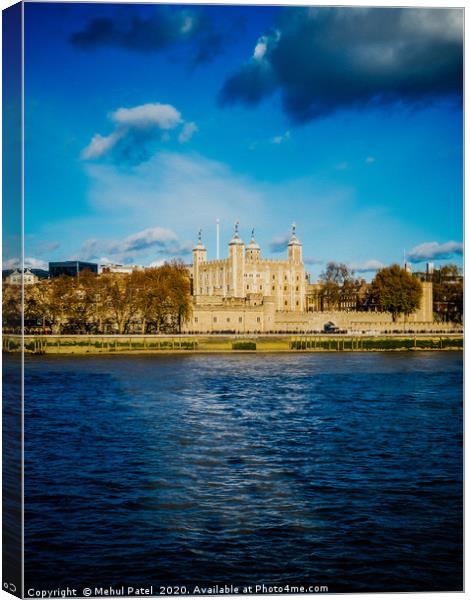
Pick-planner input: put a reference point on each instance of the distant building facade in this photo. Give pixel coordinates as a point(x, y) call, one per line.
point(246, 293)
point(16, 277)
point(116, 268)
point(71, 268)
point(30, 276)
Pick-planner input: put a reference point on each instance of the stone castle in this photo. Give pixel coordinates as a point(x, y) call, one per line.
point(246, 293)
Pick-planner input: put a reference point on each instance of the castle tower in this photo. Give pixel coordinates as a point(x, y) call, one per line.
point(253, 251)
point(236, 252)
point(294, 248)
point(199, 257)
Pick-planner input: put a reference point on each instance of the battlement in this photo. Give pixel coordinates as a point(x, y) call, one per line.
point(221, 262)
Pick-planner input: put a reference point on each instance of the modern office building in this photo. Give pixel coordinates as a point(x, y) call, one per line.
point(71, 267)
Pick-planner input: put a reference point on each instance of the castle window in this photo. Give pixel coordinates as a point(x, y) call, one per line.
point(274, 276)
point(297, 303)
point(196, 319)
point(258, 319)
point(285, 277)
point(285, 288)
point(285, 302)
point(297, 288)
point(247, 287)
point(240, 319)
point(215, 319)
point(228, 318)
point(260, 287)
point(274, 287)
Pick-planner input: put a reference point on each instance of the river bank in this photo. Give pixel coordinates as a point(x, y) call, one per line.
point(119, 344)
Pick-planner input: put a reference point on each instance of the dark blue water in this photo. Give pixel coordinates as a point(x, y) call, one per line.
point(342, 470)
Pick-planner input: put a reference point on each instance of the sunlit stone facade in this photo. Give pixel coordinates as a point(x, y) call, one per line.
point(246, 275)
point(246, 293)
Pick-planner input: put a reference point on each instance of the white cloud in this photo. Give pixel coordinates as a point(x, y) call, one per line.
point(189, 129)
point(156, 240)
point(135, 128)
point(12, 263)
point(263, 43)
point(30, 262)
point(146, 116)
point(369, 160)
point(260, 48)
point(35, 263)
point(101, 145)
point(279, 139)
point(153, 236)
point(366, 266)
point(435, 251)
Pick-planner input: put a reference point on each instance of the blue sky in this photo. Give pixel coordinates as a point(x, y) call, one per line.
point(145, 123)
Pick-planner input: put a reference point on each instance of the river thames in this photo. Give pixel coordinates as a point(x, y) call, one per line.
point(334, 469)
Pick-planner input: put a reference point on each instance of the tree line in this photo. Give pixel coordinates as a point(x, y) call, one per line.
point(448, 294)
point(392, 290)
point(155, 300)
point(158, 300)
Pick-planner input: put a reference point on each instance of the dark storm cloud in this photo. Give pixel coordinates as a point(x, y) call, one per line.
point(167, 27)
point(325, 59)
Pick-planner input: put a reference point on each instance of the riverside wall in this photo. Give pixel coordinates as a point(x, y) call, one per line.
point(212, 318)
point(159, 344)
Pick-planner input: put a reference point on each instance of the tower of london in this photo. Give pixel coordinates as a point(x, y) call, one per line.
point(248, 277)
point(246, 293)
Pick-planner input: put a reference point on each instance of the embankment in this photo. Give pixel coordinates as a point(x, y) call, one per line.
point(114, 344)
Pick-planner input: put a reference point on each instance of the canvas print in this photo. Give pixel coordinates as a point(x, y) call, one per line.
point(232, 299)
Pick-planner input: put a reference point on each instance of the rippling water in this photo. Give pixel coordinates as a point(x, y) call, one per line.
point(327, 469)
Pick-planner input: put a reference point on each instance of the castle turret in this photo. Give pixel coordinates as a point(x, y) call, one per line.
point(294, 248)
point(236, 249)
point(199, 257)
point(253, 251)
